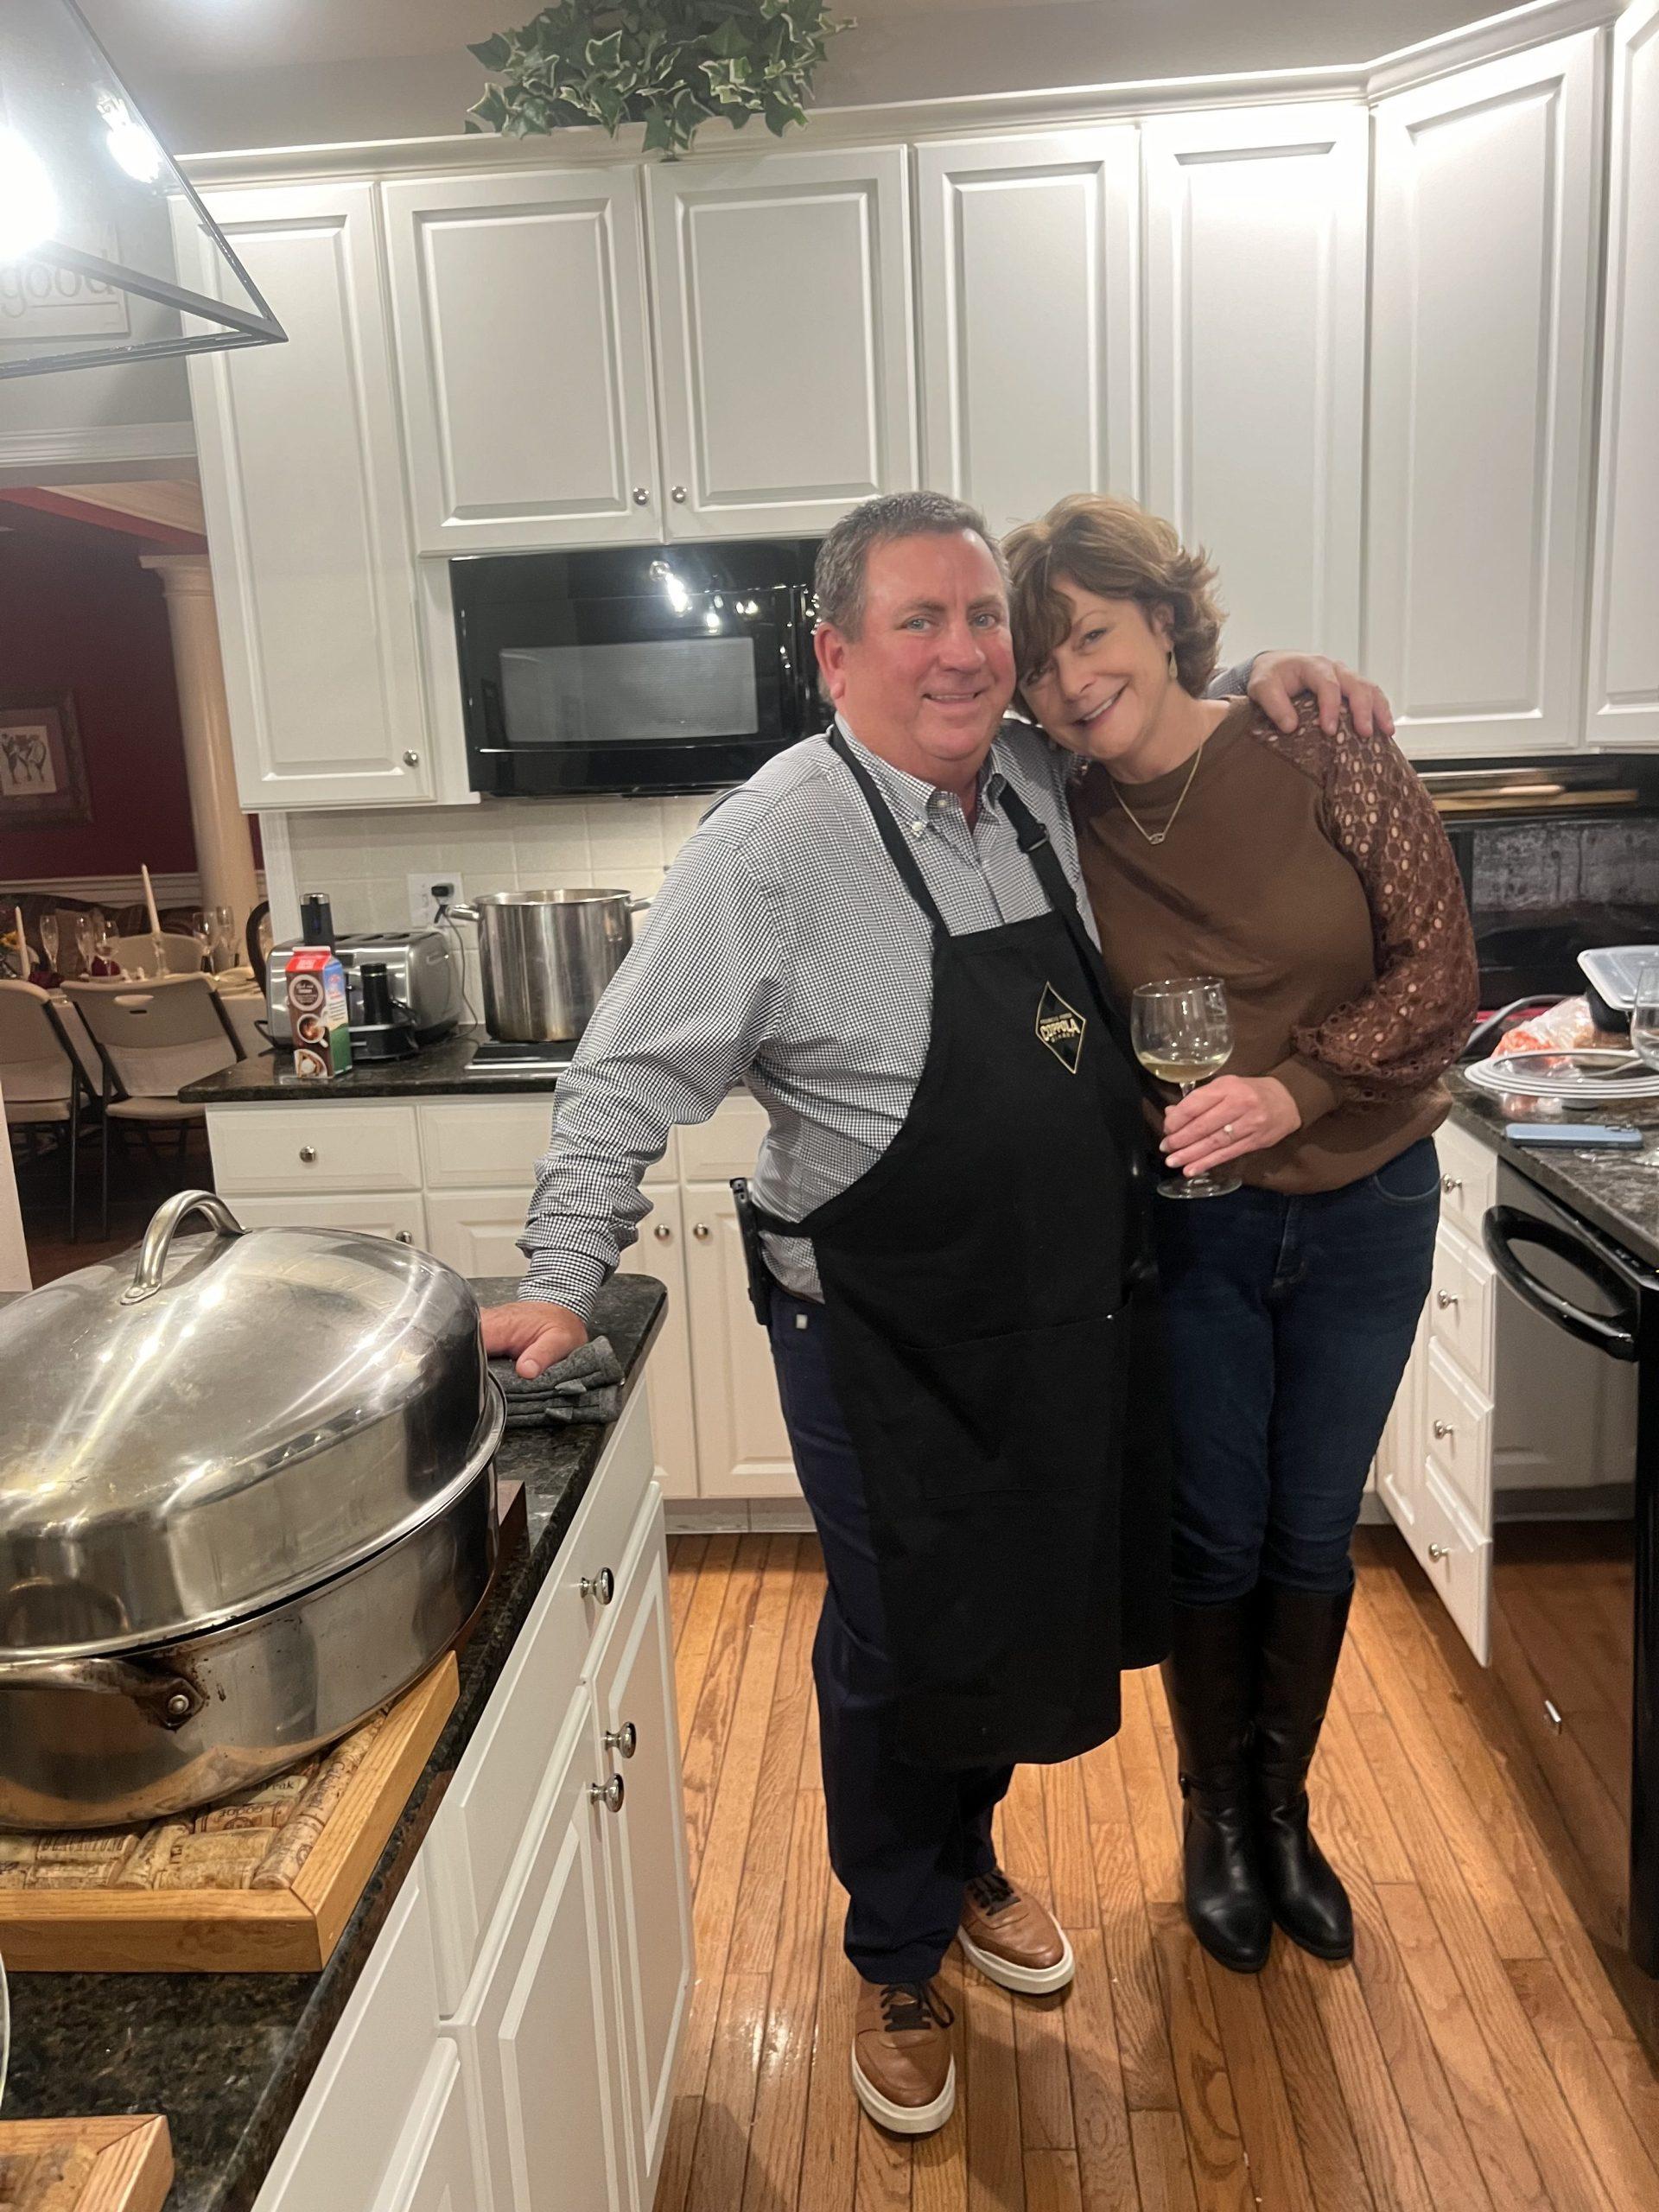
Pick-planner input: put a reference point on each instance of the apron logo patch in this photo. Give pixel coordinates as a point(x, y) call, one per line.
point(1060, 1027)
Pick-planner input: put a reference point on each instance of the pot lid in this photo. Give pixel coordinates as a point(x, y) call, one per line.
point(196, 1431)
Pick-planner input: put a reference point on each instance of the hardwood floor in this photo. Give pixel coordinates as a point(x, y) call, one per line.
point(1474, 2058)
point(138, 1182)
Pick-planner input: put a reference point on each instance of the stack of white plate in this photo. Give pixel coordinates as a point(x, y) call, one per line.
point(1577, 1078)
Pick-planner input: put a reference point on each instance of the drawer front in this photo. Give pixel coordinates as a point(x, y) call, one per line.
point(355, 2115)
point(481, 1823)
point(315, 1149)
point(376, 1213)
point(1460, 1306)
point(485, 1144)
point(1468, 1179)
point(1458, 1558)
point(1458, 1419)
point(725, 1146)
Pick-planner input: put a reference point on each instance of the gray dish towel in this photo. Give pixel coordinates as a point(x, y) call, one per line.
point(583, 1385)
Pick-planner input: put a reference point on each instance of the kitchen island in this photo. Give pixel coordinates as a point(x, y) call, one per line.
point(230, 2058)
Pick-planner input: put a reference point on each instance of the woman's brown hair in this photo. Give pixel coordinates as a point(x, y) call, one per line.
point(1117, 551)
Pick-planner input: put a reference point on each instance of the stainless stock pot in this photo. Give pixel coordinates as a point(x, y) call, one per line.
point(247, 1496)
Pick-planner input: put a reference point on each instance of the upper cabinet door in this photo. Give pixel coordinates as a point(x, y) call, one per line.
point(783, 334)
point(301, 480)
point(1029, 317)
point(1623, 703)
point(1255, 361)
point(519, 307)
point(1482, 314)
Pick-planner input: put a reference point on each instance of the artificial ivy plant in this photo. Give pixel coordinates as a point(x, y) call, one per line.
point(672, 65)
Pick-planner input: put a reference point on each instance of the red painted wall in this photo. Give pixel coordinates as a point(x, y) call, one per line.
point(87, 618)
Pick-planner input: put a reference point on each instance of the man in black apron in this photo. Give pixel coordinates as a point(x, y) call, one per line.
point(882, 933)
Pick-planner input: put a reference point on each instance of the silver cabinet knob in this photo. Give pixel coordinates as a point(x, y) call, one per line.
point(641, 497)
point(609, 1794)
point(1444, 1298)
point(623, 1741)
point(1443, 1429)
point(1437, 1551)
point(411, 759)
point(1450, 1183)
point(679, 495)
point(308, 1154)
point(406, 1237)
point(600, 1586)
point(663, 1232)
point(702, 1231)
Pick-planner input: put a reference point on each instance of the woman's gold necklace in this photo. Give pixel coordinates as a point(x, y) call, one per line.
point(1157, 836)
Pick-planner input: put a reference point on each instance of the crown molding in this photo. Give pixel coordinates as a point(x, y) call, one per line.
point(25, 455)
point(1535, 24)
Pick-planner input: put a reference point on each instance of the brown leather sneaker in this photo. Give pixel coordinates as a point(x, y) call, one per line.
point(903, 2072)
point(1012, 1939)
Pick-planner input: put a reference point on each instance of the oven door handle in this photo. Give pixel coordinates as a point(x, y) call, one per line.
point(1504, 1227)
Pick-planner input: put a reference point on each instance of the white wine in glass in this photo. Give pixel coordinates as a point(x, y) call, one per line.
point(1182, 1032)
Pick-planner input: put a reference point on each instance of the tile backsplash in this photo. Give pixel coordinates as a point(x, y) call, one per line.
point(363, 858)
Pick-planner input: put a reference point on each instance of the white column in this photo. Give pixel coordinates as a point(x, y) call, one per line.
point(14, 1254)
point(224, 848)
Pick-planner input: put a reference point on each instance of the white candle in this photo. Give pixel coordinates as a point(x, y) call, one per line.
point(150, 901)
point(22, 943)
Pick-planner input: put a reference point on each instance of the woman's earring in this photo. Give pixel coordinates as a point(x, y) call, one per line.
point(1173, 669)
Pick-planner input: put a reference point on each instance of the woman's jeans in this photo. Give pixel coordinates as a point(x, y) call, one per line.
point(1290, 1322)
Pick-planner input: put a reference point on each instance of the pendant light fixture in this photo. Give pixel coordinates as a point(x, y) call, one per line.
point(90, 203)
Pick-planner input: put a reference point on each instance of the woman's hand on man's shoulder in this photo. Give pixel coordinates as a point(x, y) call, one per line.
point(1276, 679)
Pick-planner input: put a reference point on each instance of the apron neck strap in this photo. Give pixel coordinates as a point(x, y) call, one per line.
point(1036, 845)
point(899, 851)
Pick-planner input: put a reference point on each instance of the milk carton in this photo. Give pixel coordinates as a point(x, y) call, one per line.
point(317, 1014)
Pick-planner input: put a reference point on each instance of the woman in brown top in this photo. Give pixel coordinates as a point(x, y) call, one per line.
point(1311, 874)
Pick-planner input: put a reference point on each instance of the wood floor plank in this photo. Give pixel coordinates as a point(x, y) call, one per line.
point(1163, 2169)
point(1100, 2112)
point(883, 2183)
point(829, 2168)
point(1022, 1834)
point(722, 2150)
point(1622, 2159)
point(1126, 1937)
point(1072, 1899)
point(938, 2164)
point(1495, 2137)
point(1278, 2173)
point(777, 1785)
point(996, 2173)
point(1051, 2182)
point(1341, 1762)
point(1221, 2175)
point(1044, 2070)
point(711, 1715)
point(777, 2139)
point(1336, 2172)
point(1157, 1827)
point(685, 1557)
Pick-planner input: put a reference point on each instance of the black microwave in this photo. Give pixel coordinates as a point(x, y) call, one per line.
point(660, 668)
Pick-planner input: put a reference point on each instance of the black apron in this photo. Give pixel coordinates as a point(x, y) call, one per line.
point(993, 1341)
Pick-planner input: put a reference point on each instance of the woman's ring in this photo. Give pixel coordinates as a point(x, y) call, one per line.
point(1227, 1128)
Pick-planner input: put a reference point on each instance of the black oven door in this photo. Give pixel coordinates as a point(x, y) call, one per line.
point(675, 690)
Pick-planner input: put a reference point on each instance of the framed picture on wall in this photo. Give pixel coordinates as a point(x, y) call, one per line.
point(42, 774)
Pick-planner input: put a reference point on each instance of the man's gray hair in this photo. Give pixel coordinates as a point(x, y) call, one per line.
point(842, 565)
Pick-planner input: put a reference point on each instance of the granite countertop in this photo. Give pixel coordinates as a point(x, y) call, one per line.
point(227, 2057)
point(440, 1067)
point(1615, 1192)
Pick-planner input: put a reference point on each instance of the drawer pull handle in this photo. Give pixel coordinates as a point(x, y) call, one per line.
point(663, 1232)
point(641, 497)
point(1443, 1429)
point(1437, 1551)
point(702, 1231)
point(406, 1237)
point(308, 1154)
point(412, 758)
point(1444, 1298)
point(1450, 1183)
point(609, 1794)
point(623, 1741)
point(600, 1586)
point(679, 495)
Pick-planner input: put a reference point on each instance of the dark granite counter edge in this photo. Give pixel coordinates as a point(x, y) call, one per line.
point(441, 1069)
point(96, 2043)
point(1595, 1185)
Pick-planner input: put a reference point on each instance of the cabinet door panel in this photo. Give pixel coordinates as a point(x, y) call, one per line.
point(1005, 224)
point(1254, 420)
point(1623, 704)
point(742, 1445)
point(645, 1841)
point(436, 2174)
point(782, 292)
point(1484, 289)
point(302, 477)
point(519, 305)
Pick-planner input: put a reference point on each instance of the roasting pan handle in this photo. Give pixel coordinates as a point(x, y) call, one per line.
point(158, 1239)
point(165, 1698)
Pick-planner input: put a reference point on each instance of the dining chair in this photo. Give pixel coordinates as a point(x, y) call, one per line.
point(181, 955)
point(43, 1080)
point(153, 1037)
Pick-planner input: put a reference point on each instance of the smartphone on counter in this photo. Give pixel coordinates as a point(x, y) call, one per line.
point(1575, 1133)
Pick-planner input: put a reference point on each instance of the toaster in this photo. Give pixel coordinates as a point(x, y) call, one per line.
point(422, 969)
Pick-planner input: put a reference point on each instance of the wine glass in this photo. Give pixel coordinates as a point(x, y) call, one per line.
point(85, 936)
point(1183, 1032)
point(222, 922)
point(48, 929)
point(1644, 1015)
point(201, 929)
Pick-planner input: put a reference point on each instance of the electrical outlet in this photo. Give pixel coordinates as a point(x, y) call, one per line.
point(427, 893)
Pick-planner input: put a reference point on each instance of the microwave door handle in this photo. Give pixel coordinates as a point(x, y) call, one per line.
point(1504, 1227)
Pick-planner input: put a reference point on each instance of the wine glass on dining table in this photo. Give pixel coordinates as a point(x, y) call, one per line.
point(1182, 1032)
point(48, 929)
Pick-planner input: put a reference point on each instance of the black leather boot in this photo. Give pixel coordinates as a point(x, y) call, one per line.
point(1301, 1636)
point(1209, 1680)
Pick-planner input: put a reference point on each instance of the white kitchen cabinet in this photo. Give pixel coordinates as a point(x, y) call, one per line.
point(1029, 258)
point(635, 1728)
point(784, 360)
point(519, 311)
point(1255, 359)
point(661, 1252)
point(371, 1213)
point(1623, 708)
point(1483, 307)
point(303, 484)
point(742, 1445)
point(435, 2170)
